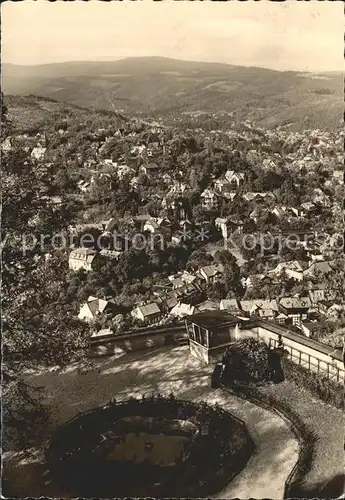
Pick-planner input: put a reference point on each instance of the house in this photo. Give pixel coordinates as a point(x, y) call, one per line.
point(6, 145)
point(212, 330)
point(84, 185)
point(187, 277)
point(317, 268)
point(316, 296)
point(309, 328)
point(105, 332)
point(220, 223)
point(83, 258)
point(266, 196)
point(38, 153)
point(282, 211)
point(220, 185)
point(177, 238)
point(140, 220)
point(281, 318)
point(255, 215)
point(175, 282)
point(265, 309)
point(110, 254)
point(178, 189)
point(178, 208)
point(210, 273)
point(208, 199)
point(229, 305)
point(181, 310)
point(208, 305)
point(293, 265)
point(165, 300)
point(253, 279)
point(292, 211)
point(234, 224)
point(268, 164)
point(151, 225)
point(148, 314)
point(123, 170)
point(279, 212)
point(186, 225)
point(249, 196)
point(190, 293)
point(168, 303)
point(307, 209)
point(107, 225)
point(138, 149)
point(166, 178)
point(338, 175)
point(320, 198)
point(165, 226)
point(315, 255)
point(230, 195)
point(90, 163)
point(94, 307)
point(296, 308)
point(293, 270)
point(259, 197)
point(235, 179)
point(52, 201)
point(134, 182)
point(150, 169)
point(295, 275)
point(228, 225)
point(167, 203)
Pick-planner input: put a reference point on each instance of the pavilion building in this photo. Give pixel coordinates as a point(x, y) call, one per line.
point(211, 332)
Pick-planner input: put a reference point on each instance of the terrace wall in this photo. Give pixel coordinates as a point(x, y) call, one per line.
point(303, 351)
point(147, 338)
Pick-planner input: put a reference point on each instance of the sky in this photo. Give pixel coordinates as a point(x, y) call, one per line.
point(293, 35)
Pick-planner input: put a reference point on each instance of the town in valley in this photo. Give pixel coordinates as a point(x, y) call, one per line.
point(172, 231)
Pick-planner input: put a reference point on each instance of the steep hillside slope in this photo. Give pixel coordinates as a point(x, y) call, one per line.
point(33, 112)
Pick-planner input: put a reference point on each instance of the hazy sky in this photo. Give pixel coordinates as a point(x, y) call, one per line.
point(293, 35)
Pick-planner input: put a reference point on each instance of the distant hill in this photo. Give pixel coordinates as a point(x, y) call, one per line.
point(34, 112)
point(162, 87)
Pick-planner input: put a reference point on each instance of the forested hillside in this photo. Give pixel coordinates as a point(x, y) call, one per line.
point(173, 89)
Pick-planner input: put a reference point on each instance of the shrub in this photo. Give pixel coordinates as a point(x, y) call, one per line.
point(246, 360)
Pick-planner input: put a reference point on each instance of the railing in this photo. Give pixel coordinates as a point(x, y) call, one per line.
point(312, 363)
point(296, 337)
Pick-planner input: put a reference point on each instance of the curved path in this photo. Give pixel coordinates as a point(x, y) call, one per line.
point(163, 370)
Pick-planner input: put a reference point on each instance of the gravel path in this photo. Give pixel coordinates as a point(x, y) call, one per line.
point(163, 370)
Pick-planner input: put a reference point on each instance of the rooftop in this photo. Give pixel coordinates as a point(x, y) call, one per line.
point(295, 302)
point(213, 319)
point(149, 309)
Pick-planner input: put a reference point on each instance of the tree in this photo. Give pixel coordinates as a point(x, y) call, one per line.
point(39, 327)
point(231, 278)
